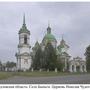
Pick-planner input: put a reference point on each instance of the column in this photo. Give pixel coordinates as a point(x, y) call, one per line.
point(40, 70)
point(18, 64)
point(81, 70)
point(65, 64)
point(55, 69)
point(47, 70)
point(70, 68)
point(32, 70)
point(85, 68)
point(75, 68)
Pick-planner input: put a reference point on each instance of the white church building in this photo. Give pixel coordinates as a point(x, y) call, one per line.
point(23, 55)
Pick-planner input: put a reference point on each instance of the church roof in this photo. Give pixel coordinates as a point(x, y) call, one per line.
point(49, 37)
point(65, 54)
point(63, 44)
point(36, 45)
point(24, 28)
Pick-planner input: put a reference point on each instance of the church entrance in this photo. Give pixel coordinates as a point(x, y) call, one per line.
point(72, 68)
point(83, 68)
point(78, 68)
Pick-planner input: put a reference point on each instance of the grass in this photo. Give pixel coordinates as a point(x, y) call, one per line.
point(5, 75)
point(37, 74)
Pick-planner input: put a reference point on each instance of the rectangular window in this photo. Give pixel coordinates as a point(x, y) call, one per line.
point(25, 39)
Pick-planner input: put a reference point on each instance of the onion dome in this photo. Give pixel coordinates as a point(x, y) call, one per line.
point(49, 37)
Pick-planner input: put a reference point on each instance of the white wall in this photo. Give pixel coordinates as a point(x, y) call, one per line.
point(24, 49)
point(21, 65)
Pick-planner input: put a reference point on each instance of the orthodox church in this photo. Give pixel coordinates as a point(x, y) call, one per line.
point(23, 55)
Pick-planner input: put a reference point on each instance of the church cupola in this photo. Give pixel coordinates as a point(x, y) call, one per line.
point(49, 38)
point(62, 47)
point(48, 29)
point(24, 27)
point(24, 34)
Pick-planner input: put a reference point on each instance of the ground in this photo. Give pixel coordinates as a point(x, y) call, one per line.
point(44, 78)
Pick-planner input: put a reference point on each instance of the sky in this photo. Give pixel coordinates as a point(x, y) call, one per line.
point(70, 19)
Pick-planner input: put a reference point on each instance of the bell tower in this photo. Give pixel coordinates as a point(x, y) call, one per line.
point(23, 54)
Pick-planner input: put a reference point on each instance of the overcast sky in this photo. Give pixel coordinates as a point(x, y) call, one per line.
point(70, 19)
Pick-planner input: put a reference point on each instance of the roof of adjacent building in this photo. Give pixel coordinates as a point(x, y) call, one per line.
point(36, 46)
point(63, 44)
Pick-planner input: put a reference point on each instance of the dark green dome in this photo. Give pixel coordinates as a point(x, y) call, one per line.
point(24, 30)
point(49, 37)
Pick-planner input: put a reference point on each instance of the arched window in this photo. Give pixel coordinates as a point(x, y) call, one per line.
point(25, 39)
